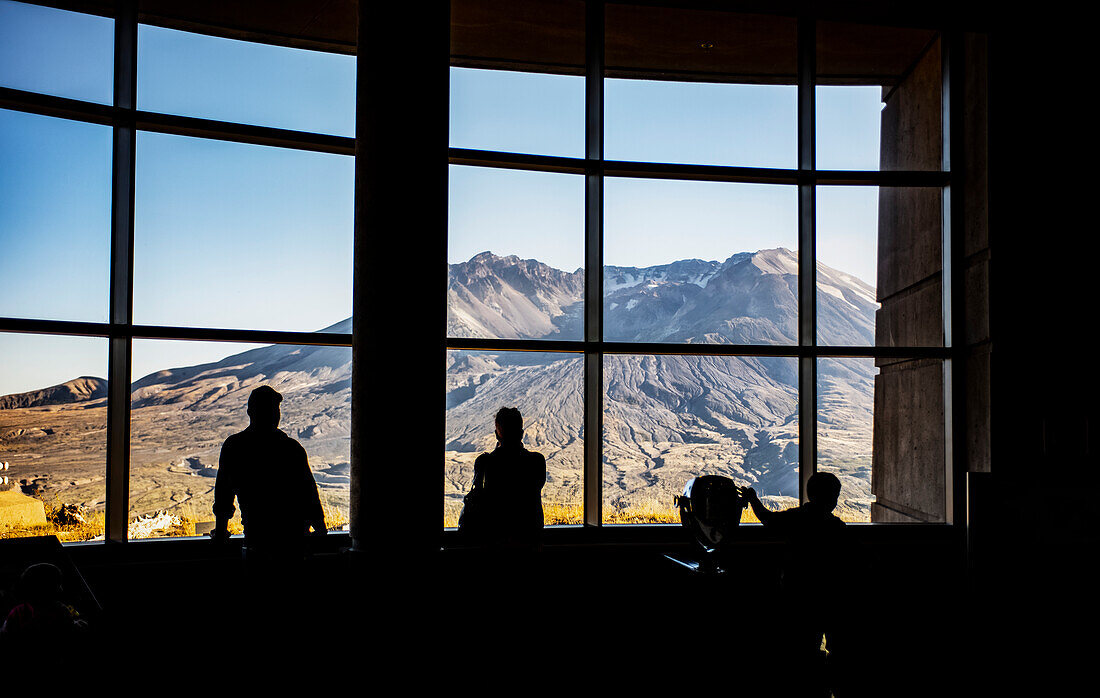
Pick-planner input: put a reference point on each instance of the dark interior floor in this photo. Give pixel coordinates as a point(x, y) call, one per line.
point(611, 614)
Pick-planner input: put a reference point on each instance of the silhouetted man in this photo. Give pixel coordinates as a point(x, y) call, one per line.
point(268, 473)
point(509, 481)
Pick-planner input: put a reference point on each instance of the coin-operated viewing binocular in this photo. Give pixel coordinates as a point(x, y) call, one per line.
point(710, 509)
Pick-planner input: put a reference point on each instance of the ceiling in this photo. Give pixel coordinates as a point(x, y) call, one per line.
point(690, 41)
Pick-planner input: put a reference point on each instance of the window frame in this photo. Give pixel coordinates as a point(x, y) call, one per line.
point(806, 177)
point(126, 120)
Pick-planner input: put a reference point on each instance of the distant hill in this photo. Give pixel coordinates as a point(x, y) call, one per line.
point(80, 389)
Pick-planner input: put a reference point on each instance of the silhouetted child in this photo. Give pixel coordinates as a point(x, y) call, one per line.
point(816, 572)
point(42, 616)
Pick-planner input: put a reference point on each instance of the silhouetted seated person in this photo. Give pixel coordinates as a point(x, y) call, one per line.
point(268, 473)
point(504, 507)
point(41, 616)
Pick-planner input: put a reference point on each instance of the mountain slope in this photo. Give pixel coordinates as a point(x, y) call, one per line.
point(509, 297)
point(82, 389)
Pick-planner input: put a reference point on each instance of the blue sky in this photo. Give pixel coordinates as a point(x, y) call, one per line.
point(232, 235)
point(696, 123)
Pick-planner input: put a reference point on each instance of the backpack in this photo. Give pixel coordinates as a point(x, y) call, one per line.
point(473, 522)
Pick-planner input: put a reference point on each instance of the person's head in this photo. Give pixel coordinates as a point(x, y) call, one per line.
point(509, 425)
point(41, 582)
point(263, 406)
point(823, 490)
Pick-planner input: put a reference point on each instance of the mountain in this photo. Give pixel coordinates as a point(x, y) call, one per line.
point(750, 298)
point(511, 298)
point(665, 418)
point(82, 389)
point(179, 418)
point(289, 369)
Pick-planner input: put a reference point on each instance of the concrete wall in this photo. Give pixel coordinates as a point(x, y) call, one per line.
point(907, 476)
point(909, 463)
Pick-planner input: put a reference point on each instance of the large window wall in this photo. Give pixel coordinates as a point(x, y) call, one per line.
point(687, 241)
point(681, 241)
point(176, 211)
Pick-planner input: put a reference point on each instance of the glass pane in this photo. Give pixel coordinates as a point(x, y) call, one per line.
point(53, 436)
point(701, 123)
point(878, 98)
point(669, 418)
point(847, 265)
point(245, 82)
point(547, 389)
point(849, 127)
point(845, 429)
point(709, 262)
point(700, 87)
point(57, 52)
point(242, 236)
point(516, 251)
point(55, 217)
point(182, 410)
point(516, 112)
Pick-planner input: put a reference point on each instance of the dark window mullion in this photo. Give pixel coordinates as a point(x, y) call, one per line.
point(195, 127)
point(593, 262)
point(59, 107)
point(953, 279)
point(807, 255)
point(122, 253)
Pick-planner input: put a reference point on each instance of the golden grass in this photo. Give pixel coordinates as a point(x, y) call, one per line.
point(335, 519)
point(93, 526)
point(555, 514)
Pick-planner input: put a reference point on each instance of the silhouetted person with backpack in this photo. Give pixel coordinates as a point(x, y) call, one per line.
point(268, 473)
point(504, 506)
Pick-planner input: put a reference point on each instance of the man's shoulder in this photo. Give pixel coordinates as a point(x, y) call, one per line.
point(289, 444)
point(511, 456)
point(250, 439)
point(234, 441)
point(280, 434)
point(250, 434)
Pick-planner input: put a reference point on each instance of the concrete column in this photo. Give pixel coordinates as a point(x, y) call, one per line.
point(400, 272)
